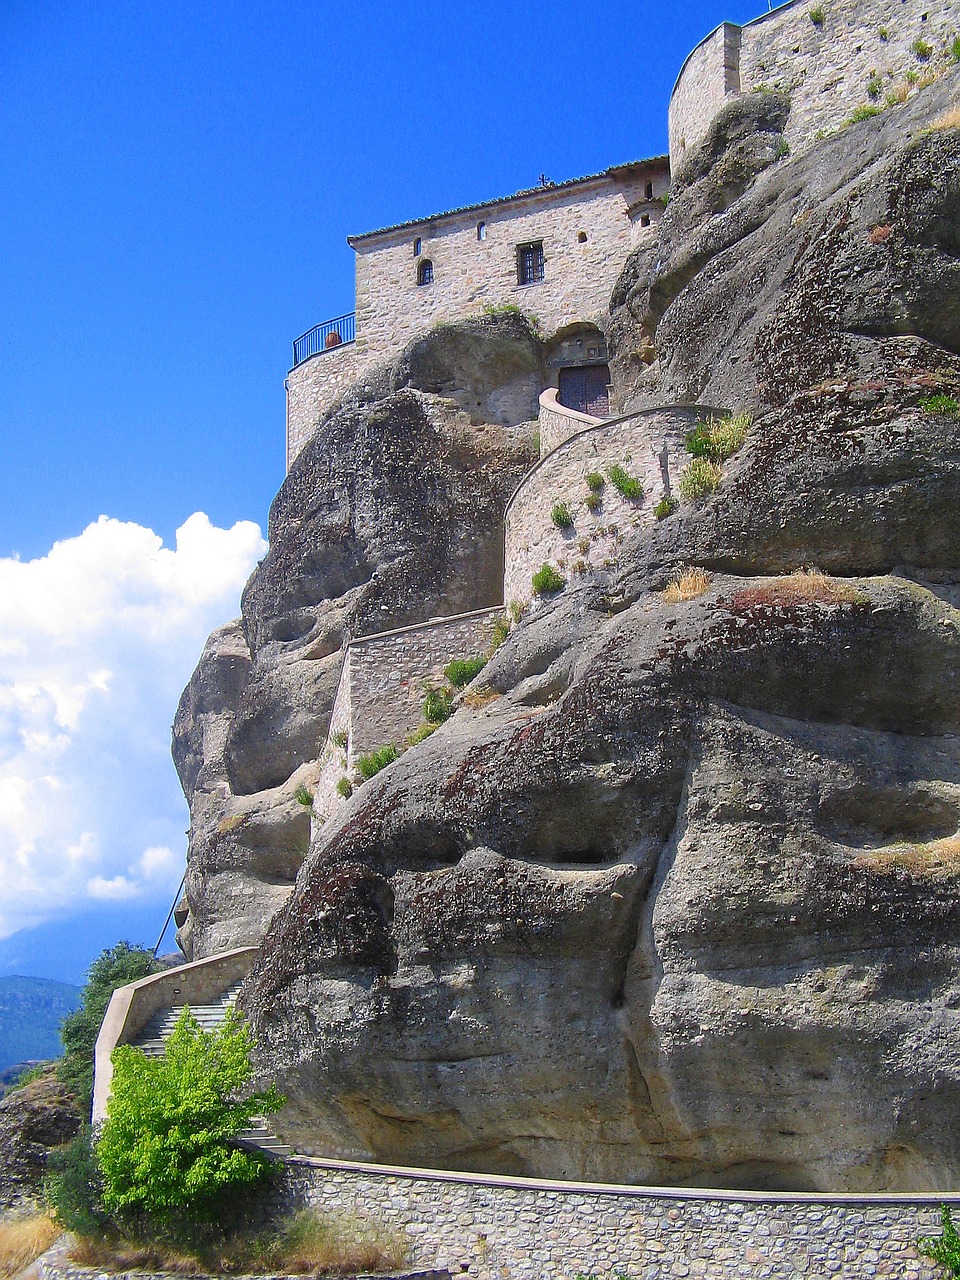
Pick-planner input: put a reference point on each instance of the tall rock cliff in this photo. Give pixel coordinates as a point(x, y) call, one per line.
point(673, 895)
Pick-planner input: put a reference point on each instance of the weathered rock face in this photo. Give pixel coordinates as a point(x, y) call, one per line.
point(392, 513)
point(33, 1120)
point(673, 897)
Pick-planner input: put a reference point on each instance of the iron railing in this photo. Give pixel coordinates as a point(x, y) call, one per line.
point(325, 337)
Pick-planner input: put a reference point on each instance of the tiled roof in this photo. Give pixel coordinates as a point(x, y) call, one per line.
point(612, 172)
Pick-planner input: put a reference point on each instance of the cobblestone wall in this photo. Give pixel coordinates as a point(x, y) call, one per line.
point(825, 67)
point(500, 1229)
point(380, 695)
point(558, 423)
point(649, 447)
point(312, 387)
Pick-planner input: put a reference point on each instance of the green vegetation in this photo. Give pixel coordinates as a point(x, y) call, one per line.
point(547, 579)
point(422, 731)
point(717, 439)
point(944, 1249)
point(593, 503)
point(665, 507)
point(699, 479)
point(303, 796)
point(438, 705)
point(516, 609)
point(883, 33)
point(344, 788)
point(946, 406)
point(340, 738)
point(782, 149)
point(955, 49)
point(374, 761)
point(561, 515)
point(874, 87)
point(817, 15)
point(462, 670)
point(114, 967)
point(922, 50)
point(595, 481)
point(865, 112)
point(626, 485)
point(499, 632)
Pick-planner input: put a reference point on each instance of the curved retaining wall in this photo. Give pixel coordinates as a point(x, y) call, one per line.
point(558, 423)
point(495, 1228)
point(824, 67)
point(131, 1007)
point(649, 445)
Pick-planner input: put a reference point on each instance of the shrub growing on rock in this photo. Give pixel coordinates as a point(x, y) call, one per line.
point(627, 486)
point(547, 579)
point(665, 507)
point(374, 761)
point(462, 670)
point(717, 439)
point(344, 788)
point(944, 1249)
point(944, 405)
point(561, 515)
point(699, 479)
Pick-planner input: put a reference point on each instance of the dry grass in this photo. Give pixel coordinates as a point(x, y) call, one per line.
point(478, 698)
point(935, 858)
point(306, 1244)
point(880, 234)
point(22, 1240)
point(805, 586)
point(687, 585)
point(949, 120)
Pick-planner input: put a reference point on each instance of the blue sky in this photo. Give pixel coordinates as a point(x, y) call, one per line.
point(179, 179)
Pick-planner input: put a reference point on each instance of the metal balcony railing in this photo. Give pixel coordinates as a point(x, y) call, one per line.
point(324, 337)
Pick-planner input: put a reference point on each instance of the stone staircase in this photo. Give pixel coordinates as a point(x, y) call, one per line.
point(150, 1041)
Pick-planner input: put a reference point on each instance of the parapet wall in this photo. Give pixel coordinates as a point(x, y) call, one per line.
point(382, 684)
point(825, 67)
point(491, 1228)
point(314, 387)
point(649, 447)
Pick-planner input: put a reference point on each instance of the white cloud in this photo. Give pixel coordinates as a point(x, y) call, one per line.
point(97, 639)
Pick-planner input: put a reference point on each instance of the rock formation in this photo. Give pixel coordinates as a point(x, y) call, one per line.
point(34, 1120)
point(673, 896)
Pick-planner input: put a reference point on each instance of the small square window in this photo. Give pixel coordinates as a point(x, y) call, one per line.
point(530, 263)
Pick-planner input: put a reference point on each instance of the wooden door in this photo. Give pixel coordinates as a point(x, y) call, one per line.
point(585, 390)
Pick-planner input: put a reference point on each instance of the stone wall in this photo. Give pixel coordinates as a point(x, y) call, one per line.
point(558, 423)
point(492, 1228)
point(647, 445)
point(825, 67)
point(380, 695)
point(313, 387)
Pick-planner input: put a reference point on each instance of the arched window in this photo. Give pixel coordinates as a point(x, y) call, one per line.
point(417, 246)
point(481, 231)
point(424, 271)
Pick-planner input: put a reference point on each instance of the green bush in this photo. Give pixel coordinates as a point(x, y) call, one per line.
point(499, 632)
point(883, 33)
point(782, 149)
point(462, 670)
point(561, 515)
point(817, 15)
point(665, 507)
point(626, 485)
point(114, 967)
point(74, 1187)
point(303, 796)
point(547, 579)
point(944, 405)
point(874, 87)
point(374, 761)
point(422, 731)
point(344, 788)
point(866, 112)
point(340, 738)
point(438, 705)
point(944, 1249)
point(593, 502)
point(717, 439)
point(922, 49)
point(165, 1152)
point(595, 481)
point(955, 49)
point(700, 478)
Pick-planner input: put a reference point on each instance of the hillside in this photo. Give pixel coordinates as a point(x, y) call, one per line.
point(31, 1010)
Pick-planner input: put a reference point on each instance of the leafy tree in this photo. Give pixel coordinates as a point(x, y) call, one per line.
point(945, 1248)
point(114, 967)
point(165, 1150)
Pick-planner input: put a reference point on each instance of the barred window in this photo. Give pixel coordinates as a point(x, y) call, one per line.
point(530, 263)
point(424, 271)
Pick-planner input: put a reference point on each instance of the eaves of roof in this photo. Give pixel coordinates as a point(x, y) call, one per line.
point(613, 172)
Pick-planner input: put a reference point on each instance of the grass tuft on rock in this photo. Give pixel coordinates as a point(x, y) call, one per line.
point(699, 479)
point(547, 579)
point(370, 764)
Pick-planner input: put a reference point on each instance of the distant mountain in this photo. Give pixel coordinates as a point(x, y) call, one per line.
point(31, 1010)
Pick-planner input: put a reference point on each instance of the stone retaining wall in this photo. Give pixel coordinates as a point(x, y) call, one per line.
point(648, 445)
point(380, 695)
point(825, 67)
point(518, 1229)
point(314, 387)
point(558, 423)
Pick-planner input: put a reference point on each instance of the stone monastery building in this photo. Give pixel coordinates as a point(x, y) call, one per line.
point(553, 252)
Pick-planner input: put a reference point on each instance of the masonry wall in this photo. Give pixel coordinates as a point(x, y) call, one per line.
point(314, 387)
point(380, 696)
point(647, 445)
point(499, 1229)
point(469, 274)
point(825, 68)
point(557, 423)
